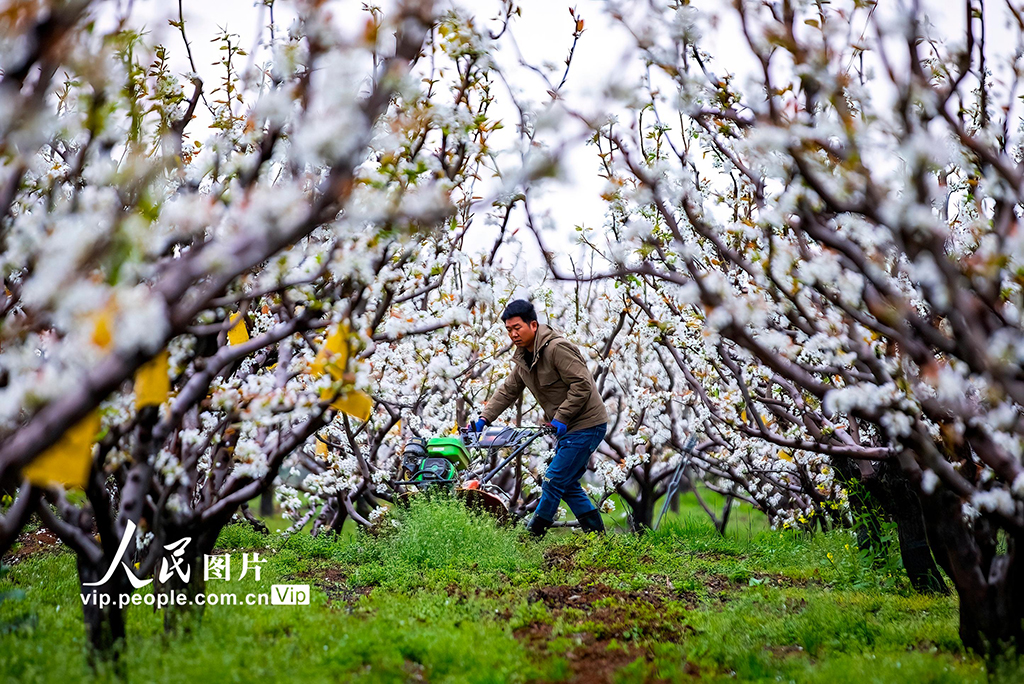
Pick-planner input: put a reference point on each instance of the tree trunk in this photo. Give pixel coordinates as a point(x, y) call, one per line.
point(331, 519)
point(267, 502)
point(642, 514)
point(990, 584)
point(104, 625)
point(866, 516)
point(905, 507)
point(339, 521)
point(726, 510)
point(890, 488)
point(183, 616)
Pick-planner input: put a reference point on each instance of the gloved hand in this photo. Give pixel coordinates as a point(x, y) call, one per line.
point(477, 425)
point(560, 428)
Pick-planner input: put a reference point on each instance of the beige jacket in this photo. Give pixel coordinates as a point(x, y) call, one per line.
point(558, 378)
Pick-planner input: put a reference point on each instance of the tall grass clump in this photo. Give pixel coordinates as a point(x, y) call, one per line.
point(437, 541)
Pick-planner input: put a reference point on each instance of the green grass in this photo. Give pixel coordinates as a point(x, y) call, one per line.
point(448, 596)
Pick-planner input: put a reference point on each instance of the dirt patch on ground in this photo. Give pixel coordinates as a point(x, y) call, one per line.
point(582, 597)
point(591, 659)
point(561, 557)
point(31, 543)
point(414, 672)
point(715, 584)
point(718, 586)
point(783, 652)
point(711, 555)
point(594, 661)
point(334, 583)
point(604, 629)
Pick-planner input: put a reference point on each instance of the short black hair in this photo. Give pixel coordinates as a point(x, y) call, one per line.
point(520, 308)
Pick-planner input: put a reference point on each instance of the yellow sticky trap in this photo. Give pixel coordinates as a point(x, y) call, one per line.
point(67, 462)
point(356, 404)
point(238, 333)
point(102, 327)
point(152, 385)
point(333, 356)
point(321, 449)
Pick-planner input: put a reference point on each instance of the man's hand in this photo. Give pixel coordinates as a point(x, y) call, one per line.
point(560, 428)
point(477, 425)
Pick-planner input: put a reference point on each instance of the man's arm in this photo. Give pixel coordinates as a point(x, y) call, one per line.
point(506, 395)
point(574, 372)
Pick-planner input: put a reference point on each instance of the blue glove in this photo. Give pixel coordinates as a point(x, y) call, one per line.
point(477, 426)
point(560, 428)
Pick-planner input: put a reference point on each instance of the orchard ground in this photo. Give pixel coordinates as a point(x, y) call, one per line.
point(448, 596)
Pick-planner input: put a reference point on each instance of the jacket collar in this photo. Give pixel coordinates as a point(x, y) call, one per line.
point(544, 335)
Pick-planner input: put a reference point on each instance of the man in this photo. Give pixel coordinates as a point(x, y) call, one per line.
point(557, 376)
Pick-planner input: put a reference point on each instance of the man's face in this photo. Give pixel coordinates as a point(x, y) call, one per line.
point(520, 332)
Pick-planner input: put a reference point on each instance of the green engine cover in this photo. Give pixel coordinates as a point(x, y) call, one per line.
point(450, 448)
point(433, 469)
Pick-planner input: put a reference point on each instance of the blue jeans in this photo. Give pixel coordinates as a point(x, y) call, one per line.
point(562, 478)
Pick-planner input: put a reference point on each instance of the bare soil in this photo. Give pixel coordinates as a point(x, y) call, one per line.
point(31, 543)
point(613, 626)
point(334, 583)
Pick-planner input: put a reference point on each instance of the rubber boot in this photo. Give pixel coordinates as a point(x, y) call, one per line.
point(592, 522)
point(538, 527)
